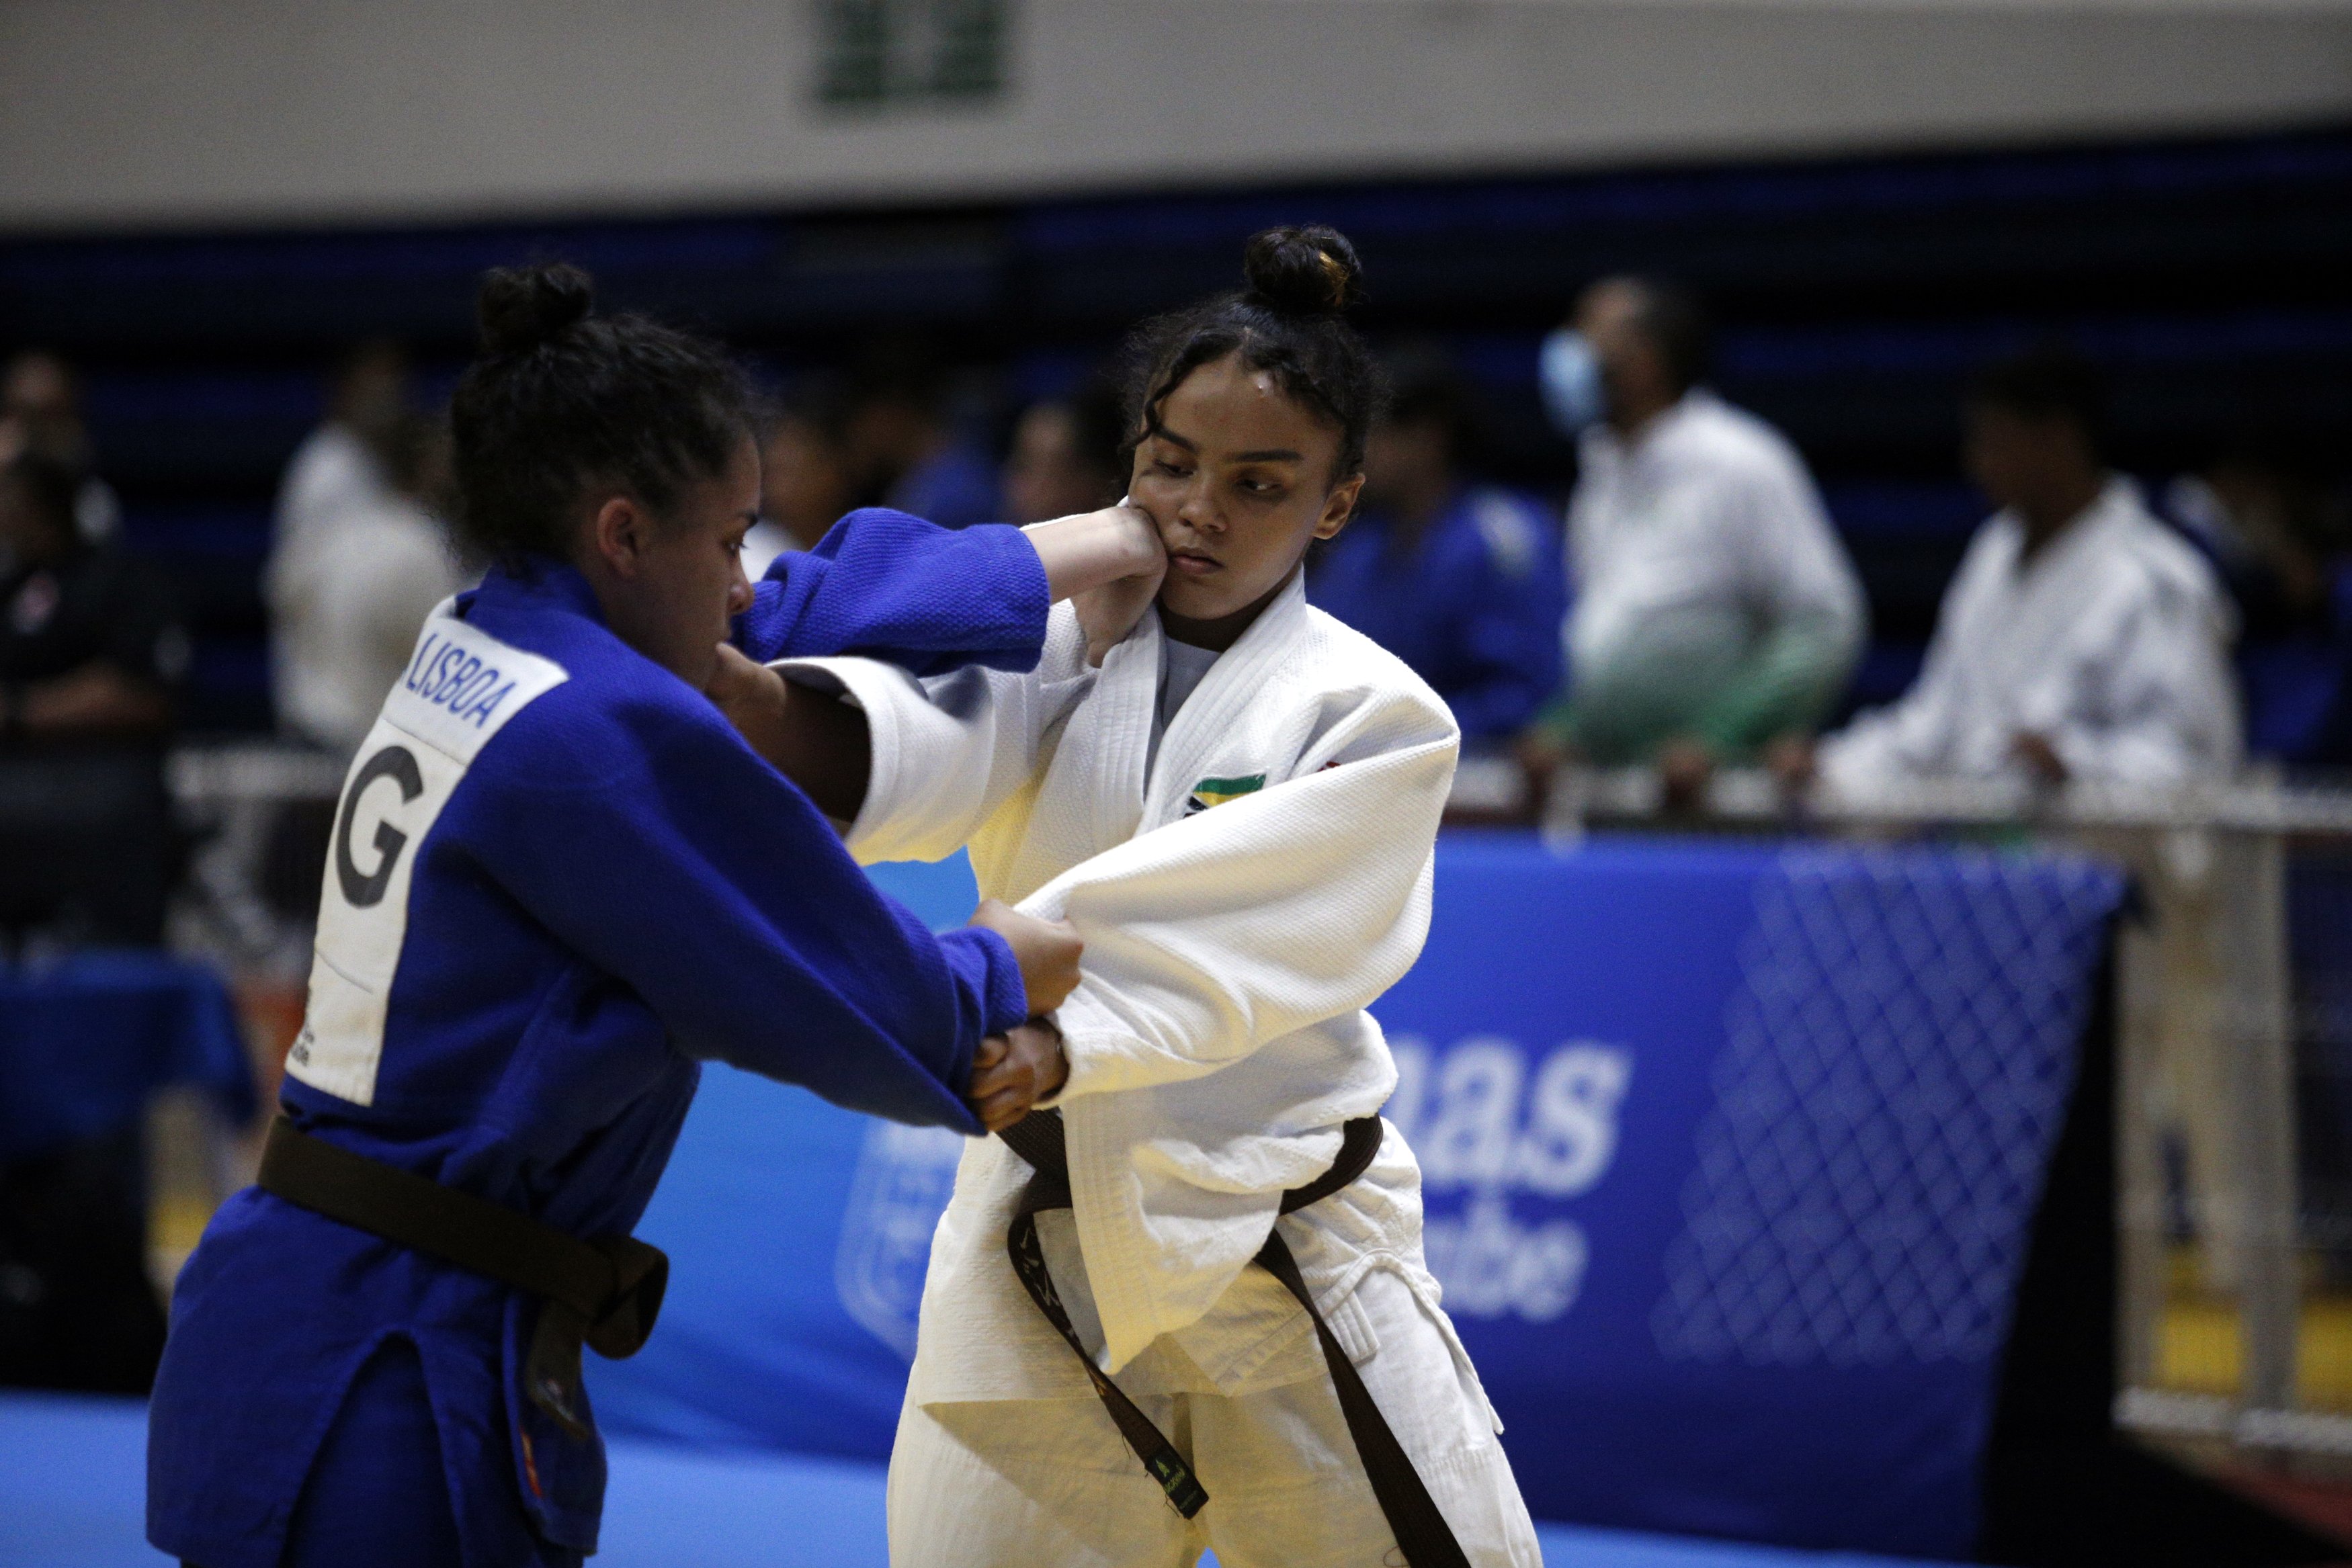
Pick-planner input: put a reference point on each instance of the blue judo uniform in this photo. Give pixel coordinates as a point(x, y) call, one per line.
point(1475, 605)
point(559, 882)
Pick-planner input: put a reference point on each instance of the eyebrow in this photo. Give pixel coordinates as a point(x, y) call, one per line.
point(1267, 455)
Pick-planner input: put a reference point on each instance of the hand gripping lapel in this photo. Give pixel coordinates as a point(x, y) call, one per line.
point(1421, 1530)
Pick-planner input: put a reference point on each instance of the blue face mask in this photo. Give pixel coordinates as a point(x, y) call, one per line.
point(1570, 373)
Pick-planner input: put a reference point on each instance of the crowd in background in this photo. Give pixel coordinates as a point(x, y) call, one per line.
point(1694, 605)
point(1686, 603)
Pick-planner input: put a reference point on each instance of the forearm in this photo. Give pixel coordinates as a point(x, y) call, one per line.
point(884, 585)
point(1093, 549)
point(826, 746)
point(942, 756)
point(811, 737)
point(747, 929)
point(93, 699)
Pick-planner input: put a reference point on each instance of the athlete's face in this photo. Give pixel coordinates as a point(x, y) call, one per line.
point(1239, 482)
point(669, 585)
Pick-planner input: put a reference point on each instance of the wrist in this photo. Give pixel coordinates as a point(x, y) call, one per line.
point(1138, 538)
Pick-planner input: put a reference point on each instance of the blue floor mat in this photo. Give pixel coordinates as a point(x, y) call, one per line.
point(73, 1485)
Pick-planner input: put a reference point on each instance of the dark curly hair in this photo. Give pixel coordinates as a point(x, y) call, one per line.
point(2047, 380)
point(1290, 320)
point(559, 399)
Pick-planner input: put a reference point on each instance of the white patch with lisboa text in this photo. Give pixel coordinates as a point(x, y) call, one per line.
point(461, 687)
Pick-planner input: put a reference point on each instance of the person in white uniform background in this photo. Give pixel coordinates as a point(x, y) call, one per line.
point(1716, 612)
point(390, 564)
point(339, 473)
point(1236, 803)
point(2082, 638)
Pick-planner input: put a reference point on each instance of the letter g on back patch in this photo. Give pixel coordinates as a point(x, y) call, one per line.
point(461, 687)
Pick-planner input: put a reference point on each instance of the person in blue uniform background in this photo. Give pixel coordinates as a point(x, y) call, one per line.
point(1462, 580)
point(559, 882)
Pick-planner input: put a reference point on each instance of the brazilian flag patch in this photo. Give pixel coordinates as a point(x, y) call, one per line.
point(1210, 793)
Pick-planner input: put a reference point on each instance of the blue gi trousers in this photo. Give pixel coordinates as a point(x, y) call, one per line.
point(377, 1496)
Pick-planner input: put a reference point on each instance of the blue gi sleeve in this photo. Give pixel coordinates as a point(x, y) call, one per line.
point(647, 837)
point(1510, 637)
point(884, 585)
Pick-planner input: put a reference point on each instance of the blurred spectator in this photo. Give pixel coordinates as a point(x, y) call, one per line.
point(1462, 580)
point(340, 476)
point(2262, 510)
point(805, 484)
point(1716, 610)
point(40, 411)
point(388, 564)
point(1066, 456)
point(2081, 639)
point(91, 653)
point(905, 451)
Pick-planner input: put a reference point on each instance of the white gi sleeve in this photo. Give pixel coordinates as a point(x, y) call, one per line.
point(1243, 923)
point(2168, 712)
point(1915, 735)
point(947, 751)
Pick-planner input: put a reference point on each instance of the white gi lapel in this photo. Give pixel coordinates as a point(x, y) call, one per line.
point(1089, 793)
point(1200, 745)
point(1119, 717)
point(2051, 601)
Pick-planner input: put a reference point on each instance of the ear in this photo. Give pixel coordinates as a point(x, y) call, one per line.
point(620, 534)
point(1339, 507)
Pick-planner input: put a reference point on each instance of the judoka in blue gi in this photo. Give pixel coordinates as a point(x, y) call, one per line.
point(559, 882)
point(1463, 582)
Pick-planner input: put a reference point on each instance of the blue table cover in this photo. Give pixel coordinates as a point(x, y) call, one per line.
point(1731, 1157)
point(84, 1041)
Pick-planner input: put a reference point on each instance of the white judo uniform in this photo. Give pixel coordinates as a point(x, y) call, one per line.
point(1245, 883)
point(2112, 643)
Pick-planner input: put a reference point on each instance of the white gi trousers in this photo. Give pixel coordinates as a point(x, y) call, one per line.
point(1050, 1483)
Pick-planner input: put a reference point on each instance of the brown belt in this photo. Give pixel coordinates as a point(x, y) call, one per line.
point(1421, 1530)
point(606, 1291)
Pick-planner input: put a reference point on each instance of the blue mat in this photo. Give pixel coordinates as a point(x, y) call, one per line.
point(72, 1495)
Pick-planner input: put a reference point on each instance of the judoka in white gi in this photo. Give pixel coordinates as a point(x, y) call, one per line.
point(1236, 807)
point(2082, 638)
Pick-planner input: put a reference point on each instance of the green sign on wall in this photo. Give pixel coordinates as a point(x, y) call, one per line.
point(891, 52)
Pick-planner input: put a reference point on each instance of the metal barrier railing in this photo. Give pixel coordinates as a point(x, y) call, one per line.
point(2234, 1047)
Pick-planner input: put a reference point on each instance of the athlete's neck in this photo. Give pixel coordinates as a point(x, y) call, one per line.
point(1220, 633)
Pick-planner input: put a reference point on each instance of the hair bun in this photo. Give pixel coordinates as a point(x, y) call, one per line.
point(520, 308)
point(1310, 271)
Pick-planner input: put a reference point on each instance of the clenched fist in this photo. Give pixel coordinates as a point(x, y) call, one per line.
point(1046, 950)
point(1013, 1072)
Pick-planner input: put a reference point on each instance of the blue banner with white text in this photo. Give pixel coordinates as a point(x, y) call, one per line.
point(1730, 1158)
